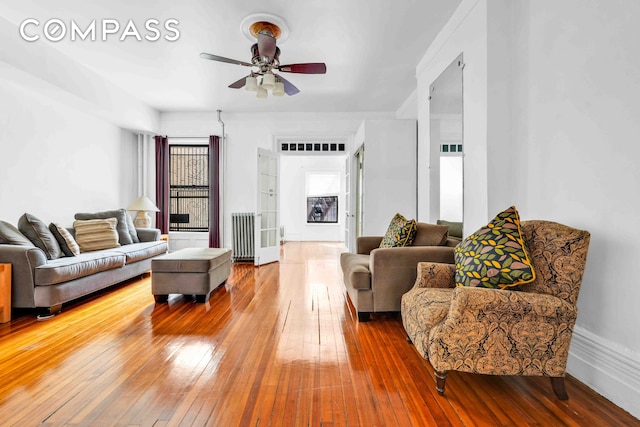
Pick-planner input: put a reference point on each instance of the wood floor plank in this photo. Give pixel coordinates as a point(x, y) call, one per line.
point(278, 345)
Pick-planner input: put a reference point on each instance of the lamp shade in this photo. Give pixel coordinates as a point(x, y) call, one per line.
point(279, 89)
point(251, 84)
point(262, 92)
point(142, 203)
point(268, 81)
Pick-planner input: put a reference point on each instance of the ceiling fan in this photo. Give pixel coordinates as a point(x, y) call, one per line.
point(265, 60)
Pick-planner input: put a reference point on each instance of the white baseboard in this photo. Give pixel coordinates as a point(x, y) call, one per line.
point(610, 370)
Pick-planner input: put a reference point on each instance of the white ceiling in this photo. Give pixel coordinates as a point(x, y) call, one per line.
point(371, 48)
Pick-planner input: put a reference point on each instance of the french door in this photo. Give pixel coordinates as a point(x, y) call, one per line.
point(267, 239)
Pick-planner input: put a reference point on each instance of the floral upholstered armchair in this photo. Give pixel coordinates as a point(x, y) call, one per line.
point(515, 331)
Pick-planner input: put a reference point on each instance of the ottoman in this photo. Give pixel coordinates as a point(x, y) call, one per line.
point(191, 271)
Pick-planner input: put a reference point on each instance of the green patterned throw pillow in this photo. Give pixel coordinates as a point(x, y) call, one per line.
point(401, 232)
point(495, 256)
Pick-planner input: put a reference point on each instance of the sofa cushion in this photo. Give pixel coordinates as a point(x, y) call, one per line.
point(430, 234)
point(139, 251)
point(455, 228)
point(96, 234)
point(40, 235)
point(67, 243)
point(124, 237)
point(10, 235)
point(355, 268)
point(400, 232)
point(70, 268)
point(132, 229)
point(495, 256)
point(191, 260)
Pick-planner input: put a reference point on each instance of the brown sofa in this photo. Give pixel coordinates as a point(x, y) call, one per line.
point(375, 278)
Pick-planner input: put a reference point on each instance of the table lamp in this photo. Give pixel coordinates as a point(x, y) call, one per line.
point(143, 205)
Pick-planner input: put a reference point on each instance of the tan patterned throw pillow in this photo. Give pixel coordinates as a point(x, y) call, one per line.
point(96, 234)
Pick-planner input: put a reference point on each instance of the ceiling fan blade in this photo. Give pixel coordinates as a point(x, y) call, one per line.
point(266, 45)
point(204, 55)
point(289, 88)
point(310, 68)
point(240, 83)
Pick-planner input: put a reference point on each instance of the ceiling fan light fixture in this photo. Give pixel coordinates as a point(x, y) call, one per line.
point(265, 31)
point(261, 92)
point(268, 81)
point(251, 84)
point(279, 89)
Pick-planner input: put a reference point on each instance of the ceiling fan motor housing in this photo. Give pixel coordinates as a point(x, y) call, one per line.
point(260, 60)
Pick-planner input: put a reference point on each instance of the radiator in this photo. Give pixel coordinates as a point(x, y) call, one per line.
point(242, 230)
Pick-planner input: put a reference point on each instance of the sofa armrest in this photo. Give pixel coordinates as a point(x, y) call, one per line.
point(394, 271)
point(503, 332)
point(436, 275)
point(365, 244)
point(148, 234)
point(468, 302)
point(23, 260)
point(453, 241)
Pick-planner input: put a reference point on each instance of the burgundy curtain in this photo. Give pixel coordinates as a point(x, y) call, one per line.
point(162, 183)
point(214, 191)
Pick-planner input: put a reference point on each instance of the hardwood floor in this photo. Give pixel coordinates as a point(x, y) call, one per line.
point(278, 345)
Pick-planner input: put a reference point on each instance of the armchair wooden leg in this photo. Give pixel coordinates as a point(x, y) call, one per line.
point(557, 383)
point(441, 377)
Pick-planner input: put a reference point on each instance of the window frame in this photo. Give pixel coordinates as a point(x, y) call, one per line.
point(203, 190)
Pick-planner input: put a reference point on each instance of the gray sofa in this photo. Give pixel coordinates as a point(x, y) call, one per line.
point(37, 282)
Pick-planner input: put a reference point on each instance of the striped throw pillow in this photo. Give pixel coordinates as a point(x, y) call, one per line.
point(96, 234)
point(67, 243)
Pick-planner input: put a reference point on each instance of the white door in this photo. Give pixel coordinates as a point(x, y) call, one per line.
point(267, 239)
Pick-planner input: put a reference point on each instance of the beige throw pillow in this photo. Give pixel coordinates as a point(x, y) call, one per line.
point(96, 234)
point(67, 243)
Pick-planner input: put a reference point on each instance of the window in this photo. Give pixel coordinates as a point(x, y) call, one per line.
point(189, 188)
point(322, 197)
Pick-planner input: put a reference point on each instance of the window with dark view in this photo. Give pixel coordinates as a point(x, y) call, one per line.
point(189, 188)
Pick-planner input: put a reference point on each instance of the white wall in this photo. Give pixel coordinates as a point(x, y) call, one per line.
point(245, 134)
point(390, 148)
point(551, 95)
point(293, 197)
point(575, 95)
point(57, 160)
point(63, 127)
